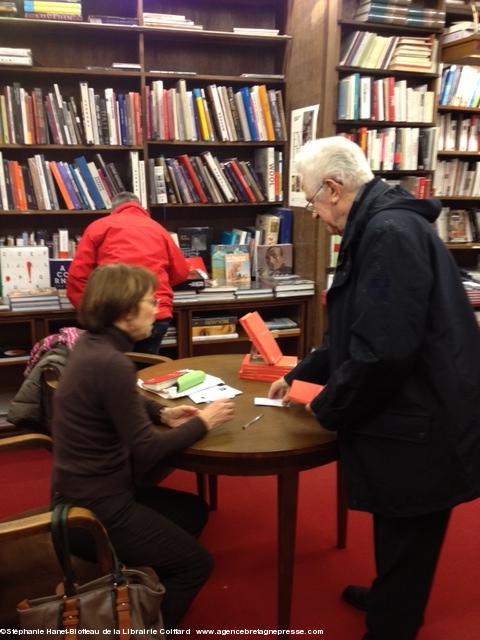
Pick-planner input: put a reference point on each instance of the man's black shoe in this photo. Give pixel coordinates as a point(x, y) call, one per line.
point(356, 596)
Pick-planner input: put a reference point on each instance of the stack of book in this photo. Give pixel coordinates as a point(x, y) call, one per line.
point(170, 20)
point(290, 285)
point(69, 10)
point(415, 54)
point(460, 86)
point(63, 300)
point(127, 21)
point(268, 362)
point(206, 328)
point(45, 299)
point(8, 9)
point(255, 31)
point(399, 12)
point(254, 290)
point(15, 56)
point(216, 293)
point(170, 337)
point(184, 296)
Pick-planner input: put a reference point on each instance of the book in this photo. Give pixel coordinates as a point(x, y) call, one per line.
point(162, 382)
point(261, 337)
point(274, 260)
point(237, 268)
point(303, 392)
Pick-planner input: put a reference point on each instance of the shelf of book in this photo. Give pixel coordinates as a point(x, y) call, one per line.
point(388, 27)
point(71, 53)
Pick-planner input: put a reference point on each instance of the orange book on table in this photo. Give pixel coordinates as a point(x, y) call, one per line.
point(261, 336)
point(303, 392)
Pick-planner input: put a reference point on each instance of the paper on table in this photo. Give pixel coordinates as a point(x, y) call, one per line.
point(172, 393)
point(214, 393)
point(269, 402)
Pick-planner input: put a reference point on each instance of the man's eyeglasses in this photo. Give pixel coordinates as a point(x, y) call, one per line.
point(310, 206)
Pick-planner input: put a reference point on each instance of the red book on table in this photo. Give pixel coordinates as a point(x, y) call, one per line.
point(303, 392)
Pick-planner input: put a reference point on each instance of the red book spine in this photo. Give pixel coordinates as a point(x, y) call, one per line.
point(243, 182)
point(185, 161)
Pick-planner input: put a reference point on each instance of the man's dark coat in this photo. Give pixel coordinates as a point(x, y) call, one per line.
point(402, 361)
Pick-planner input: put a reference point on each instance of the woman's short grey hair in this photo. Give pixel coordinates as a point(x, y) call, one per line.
point(335, 157)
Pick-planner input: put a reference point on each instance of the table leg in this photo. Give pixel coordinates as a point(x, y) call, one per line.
point(287, 490)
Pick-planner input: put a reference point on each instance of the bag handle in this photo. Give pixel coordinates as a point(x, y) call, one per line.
point(60, 539)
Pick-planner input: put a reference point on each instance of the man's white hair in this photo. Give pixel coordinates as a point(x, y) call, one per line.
point(335, 157)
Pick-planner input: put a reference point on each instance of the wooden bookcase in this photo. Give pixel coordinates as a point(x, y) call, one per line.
point(466, 254)
point(62, 51)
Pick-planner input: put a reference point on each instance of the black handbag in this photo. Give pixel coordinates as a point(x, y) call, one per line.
point(124, 600)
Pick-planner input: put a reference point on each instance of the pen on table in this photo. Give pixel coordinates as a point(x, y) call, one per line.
point(250, 422)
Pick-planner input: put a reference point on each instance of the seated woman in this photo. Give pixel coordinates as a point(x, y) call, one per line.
point(106, 443)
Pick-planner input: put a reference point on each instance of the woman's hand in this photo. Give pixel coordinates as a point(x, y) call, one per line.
point(217, 413)
point(279, 389)
point(176, 416)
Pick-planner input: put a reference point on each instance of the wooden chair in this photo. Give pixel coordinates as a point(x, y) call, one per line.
point(28, 565)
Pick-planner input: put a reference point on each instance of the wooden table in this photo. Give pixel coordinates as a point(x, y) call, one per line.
point(283, 442)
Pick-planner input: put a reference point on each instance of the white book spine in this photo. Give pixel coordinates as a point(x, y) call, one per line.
point(135, 173)
point(99, 184)
point(86, 114)
point(219, 113)
point(160, 186)
point(43, 184)
point(219, 177)
point(191, 116)
point(257, 108)
point(23, 61)
point(143, 183)
point(84, 187)
point(26, 133)
point(93, 114)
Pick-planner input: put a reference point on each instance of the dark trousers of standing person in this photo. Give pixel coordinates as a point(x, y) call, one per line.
point(156, 527)
point(406, 555)
point(152, 343)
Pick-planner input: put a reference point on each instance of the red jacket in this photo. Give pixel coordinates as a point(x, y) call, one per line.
point(129, 236)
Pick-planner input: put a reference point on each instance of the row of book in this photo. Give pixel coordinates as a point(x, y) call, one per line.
point(15, 55)
point(458, 133)
point(214, 113)
point(397, 53)
point(386, 99)
point(460, 86)
point(458, 225)
point(457, 178)
point(399, 13)
point(32, 118)
point(171, 20)
point(46, 185)
point(397, 148)
point(205, 179)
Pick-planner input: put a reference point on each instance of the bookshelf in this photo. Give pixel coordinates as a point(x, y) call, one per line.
point(68, 53)
point(457, 176)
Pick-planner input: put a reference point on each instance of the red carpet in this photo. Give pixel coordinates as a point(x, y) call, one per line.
point(241, 535)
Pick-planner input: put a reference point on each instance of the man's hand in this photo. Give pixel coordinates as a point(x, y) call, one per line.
point(217, 413)
point(279, 389)
point(176, 416)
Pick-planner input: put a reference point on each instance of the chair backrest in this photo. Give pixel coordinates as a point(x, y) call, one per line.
point(28, 565)
point(146, 359)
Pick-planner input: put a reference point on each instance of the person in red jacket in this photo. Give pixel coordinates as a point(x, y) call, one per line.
point(130, 236)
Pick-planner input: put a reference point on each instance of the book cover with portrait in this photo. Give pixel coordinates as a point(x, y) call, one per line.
point(274, 260)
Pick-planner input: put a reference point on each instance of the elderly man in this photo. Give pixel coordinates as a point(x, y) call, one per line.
point(401, 365)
